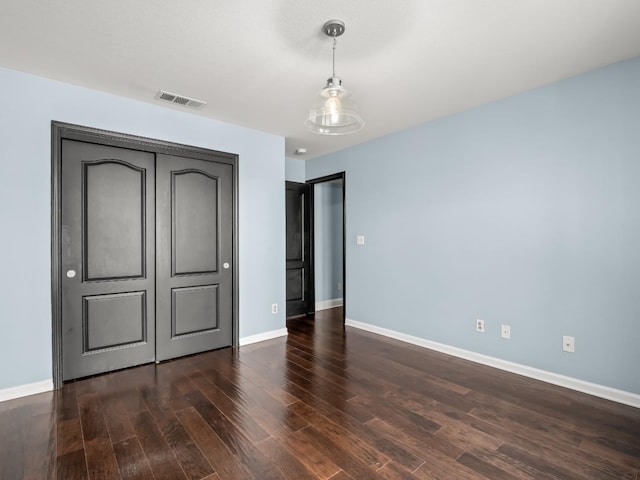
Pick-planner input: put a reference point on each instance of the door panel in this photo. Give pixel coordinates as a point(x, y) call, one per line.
point(194, 269)
point(298, 211)
point(195, 309)
point(195, 217)
point(110, 255)
point(108, 269)
point(295, 285)
point(111, 321)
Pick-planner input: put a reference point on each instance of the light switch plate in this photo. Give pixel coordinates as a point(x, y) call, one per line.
point(360, 240)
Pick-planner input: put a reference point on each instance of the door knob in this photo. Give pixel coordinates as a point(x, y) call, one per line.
point(71, 273)
point(225, 265)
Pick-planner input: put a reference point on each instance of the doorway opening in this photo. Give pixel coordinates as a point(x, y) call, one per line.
point(316, 244)
point(328, 240)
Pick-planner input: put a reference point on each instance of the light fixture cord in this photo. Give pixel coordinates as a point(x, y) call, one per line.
point(334, 56)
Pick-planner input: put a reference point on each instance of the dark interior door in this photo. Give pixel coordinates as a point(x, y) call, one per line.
point(108, 258)
point(298, 250)
point(194, 256)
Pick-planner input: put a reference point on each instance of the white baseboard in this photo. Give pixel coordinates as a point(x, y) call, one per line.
point(24, 390)
point(601, 391)
point(261, 337)
point(326, 304)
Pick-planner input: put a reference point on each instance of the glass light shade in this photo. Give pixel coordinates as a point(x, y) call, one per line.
point(333, 112)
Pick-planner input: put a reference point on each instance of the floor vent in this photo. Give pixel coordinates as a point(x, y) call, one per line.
point(179, 99)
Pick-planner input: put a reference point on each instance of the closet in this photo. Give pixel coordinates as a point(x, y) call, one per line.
point(145, 250)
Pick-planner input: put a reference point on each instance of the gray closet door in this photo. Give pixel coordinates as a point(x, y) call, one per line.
point(108, 258)
point(194, 256)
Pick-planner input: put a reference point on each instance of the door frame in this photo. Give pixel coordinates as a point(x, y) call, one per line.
point(307, 216)
point(329, 178)
point(60, 131)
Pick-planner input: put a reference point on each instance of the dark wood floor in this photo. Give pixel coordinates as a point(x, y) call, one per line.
point(325, 402)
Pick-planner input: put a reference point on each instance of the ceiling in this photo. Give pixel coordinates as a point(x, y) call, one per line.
point(260, 63)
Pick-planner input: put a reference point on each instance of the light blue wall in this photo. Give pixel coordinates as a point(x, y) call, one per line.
point(294, 170)
point(525, 212)
point(328, 240)
point(28, 106)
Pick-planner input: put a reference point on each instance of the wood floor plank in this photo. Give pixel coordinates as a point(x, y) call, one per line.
point(421, 443)
point(375, 449)
point(393, 471)
point(288, 464)
point(132, 462)
point(341, 436)
point(160, 456)
point(484, 468)
point(69, 434)
point(409, 378)
point(509, 465)
point(465, 437)
point(342, 475)
point(283, 429)
point(131, 382)
point(301, 389)
point(72, 465)
point(567, 467)
point(357, 383)
point(101, 459)
point(91, 417)
point(617, 457)
point(320, 464)
point(319, 399)
point(258, 399)
point(344, 458)
point(517, 418)
point(116, 418)
point(66, 403)
point(274, 388)
point(217, 453)
point(626, 449)
point(238, 413)
point(193, 463)
point(315, 378)
point(234, 438)
point(440, 467)
point(545, 447)
point(216, 378)
point(529, 439)
point(12, 454)
point(396, 414)
point(41, 447)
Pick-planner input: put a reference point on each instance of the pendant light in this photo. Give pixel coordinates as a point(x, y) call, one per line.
point(333, 112)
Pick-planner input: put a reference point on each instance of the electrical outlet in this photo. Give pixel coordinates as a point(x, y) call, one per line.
point(479, 325)
point(359, 239)
point(505, 331)
point(274, 308)
point(568, 344)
